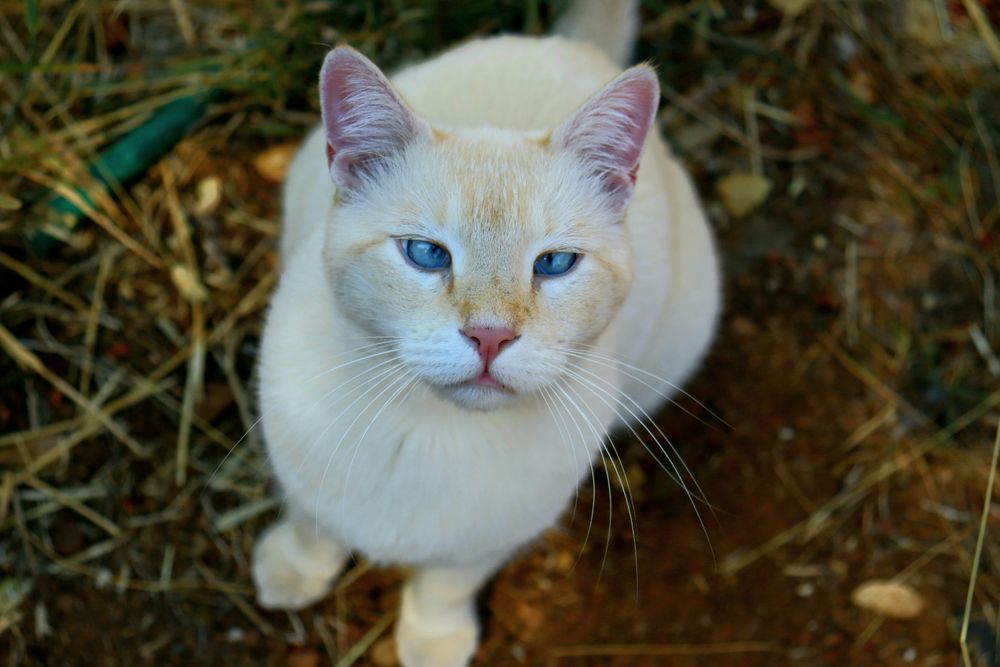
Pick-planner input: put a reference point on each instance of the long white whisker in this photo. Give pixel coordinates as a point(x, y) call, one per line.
point(333, 452)
point(410, 380)
point(311, 379)
point(558, 393)
point(393, 366)
point(590, 353)
point(607, 478)
point(700, 496)
point(622, 476)
point(598, 390)
point(370, 384)
point(564, 435)
point(601, 394)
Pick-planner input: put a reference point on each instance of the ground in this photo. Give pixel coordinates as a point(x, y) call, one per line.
point(841, 429)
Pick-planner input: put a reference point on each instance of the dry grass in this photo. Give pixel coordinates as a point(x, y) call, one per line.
point(130, 311)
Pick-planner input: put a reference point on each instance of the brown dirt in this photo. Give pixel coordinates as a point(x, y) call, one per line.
point(861, 410)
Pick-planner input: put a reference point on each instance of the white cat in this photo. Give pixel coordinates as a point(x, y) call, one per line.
point(477, 275)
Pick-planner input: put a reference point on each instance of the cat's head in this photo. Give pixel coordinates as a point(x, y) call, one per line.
point(486, 254)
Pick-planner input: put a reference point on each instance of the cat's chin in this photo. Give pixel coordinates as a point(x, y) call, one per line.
point(476, 396)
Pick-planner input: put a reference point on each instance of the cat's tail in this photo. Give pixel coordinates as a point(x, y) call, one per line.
point(610, 25)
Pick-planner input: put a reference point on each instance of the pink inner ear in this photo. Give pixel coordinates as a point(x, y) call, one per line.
point(366, 121)
point(609, 131)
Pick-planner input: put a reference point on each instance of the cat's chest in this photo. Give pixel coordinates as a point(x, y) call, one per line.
point(420, 486)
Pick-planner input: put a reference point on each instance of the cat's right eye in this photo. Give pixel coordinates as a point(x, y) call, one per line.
point(425, 255)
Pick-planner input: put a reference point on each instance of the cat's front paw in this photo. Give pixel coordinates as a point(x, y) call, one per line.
point(290, 572)
point(420, 644)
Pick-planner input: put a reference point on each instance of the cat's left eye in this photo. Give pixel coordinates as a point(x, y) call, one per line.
point(425, 255)
point(555, 263)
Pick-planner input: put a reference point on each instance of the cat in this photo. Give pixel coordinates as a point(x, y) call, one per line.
point(479, 281)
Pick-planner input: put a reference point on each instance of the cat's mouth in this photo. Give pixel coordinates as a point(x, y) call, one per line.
point(484, 379)
point(480, 392)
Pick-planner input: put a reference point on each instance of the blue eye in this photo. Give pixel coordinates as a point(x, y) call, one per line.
point(555, 263)
point(426, 255)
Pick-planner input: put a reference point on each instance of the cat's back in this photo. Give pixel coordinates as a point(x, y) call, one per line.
point(515, 82)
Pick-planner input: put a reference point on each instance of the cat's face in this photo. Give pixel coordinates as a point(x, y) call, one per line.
point(486, 255)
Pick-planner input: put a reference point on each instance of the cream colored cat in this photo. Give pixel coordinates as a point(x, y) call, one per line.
point(477, 276)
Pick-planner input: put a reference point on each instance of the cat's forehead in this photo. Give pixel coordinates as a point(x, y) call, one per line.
point(491, 180)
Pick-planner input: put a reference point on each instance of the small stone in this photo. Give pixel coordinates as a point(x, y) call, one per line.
point(564, 562)
point(67, 538)
point(42, 626)
point(104, 578)
point(743, 326)
point(888, 598)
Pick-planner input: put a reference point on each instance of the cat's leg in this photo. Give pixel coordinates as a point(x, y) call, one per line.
point(437, 623)
point(294, 564)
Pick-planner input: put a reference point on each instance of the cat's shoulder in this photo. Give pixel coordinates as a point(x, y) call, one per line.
point(491, 57)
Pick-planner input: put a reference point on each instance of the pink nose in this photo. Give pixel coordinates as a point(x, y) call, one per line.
point(489, 341)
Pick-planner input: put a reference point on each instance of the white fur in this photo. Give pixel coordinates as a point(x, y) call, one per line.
point(453, 480)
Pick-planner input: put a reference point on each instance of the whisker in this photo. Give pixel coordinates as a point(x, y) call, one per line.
point(596, 357)
point(557, 392)
point(622, 475)
point(597, 390)
point(411, 380)
point(700, 496)
point(564, 435)
point(333, 452)
point(601, 394)
point(310, 379)
point(607, 544)
point(369, 384)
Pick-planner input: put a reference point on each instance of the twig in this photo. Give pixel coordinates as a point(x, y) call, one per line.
point(194, 294)
point(982, 23)
point(93, 318)
point(90, 515)
point(23, 356)
point(38, 279)
point(983, 522)
point(608, 650)
point(366, 641)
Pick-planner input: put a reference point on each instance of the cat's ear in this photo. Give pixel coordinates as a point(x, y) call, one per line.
point(365, 119)
point(607, 133)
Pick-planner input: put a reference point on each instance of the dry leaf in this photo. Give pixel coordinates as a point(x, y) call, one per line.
point(888, 599)
point(209, 195)
point(742, 192)
point(383, 653)
point(863, 86)
point(303, 659)
point(188, 284)
point(920, 22)
point(273, 163)
point(791, 7)
point(8, 203)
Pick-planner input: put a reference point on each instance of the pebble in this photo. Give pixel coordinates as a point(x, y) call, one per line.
point(888, 598)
